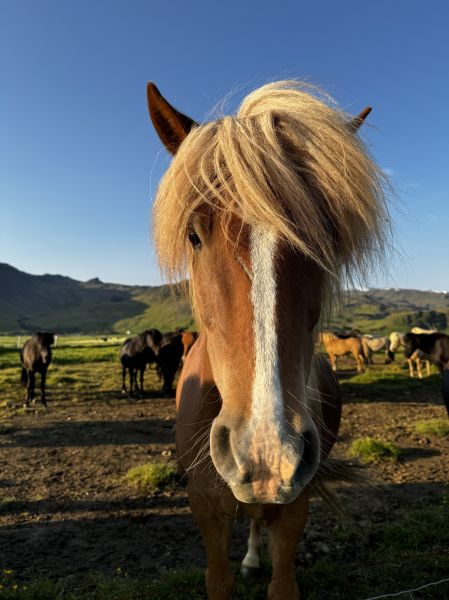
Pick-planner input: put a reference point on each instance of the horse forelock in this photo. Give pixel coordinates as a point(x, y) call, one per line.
point(286, 162)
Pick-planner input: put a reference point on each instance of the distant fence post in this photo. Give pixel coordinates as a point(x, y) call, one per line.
point(19, 339)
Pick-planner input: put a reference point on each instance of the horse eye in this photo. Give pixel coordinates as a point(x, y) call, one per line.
point(194, 240)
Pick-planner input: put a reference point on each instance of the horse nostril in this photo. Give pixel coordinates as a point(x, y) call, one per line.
point(247, 478)
point(223, 435)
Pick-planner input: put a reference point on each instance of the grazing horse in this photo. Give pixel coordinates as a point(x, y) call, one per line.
point(340, 346)
point(35, 357)
point(263, 211)
point(373, 344)
point(135, 354)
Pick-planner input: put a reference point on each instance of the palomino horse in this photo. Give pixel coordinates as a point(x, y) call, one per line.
point(336, 346)
point(35, 357)
point(263, 211)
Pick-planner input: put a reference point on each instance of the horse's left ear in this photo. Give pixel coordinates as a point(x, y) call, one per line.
point(355, 123)
point(171, 125)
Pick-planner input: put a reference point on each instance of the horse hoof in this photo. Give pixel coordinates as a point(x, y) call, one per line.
point(250, 572)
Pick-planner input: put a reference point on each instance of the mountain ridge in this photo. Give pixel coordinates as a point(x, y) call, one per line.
point(66, 305)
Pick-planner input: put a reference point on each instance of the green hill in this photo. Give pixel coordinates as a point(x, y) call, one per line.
point(53, 302)
point(64, 305)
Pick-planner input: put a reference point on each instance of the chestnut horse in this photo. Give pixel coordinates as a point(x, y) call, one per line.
point(264, 211)
point(336, 346)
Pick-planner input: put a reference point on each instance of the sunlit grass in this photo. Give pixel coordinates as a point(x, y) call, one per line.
point(151, 477)
point(369, 450)
point(437, 427)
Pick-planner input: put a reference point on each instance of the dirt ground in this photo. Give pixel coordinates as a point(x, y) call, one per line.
point(66, 509)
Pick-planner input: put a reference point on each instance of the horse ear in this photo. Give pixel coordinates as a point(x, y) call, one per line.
point(355, 123)
point(171, 125)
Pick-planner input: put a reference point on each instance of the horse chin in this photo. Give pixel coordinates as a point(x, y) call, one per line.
point(245, 493)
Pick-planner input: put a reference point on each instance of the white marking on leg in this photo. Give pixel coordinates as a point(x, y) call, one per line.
point(267, 392)
point(252, 560)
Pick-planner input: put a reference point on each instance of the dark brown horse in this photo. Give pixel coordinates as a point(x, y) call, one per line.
point(35, 357)
point(135, 354)
point(263, 211)
point(434, 347)
point(169, 360)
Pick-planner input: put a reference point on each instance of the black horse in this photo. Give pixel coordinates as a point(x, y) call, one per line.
point(435, 347)
point(135, 354)
point(169, 359)
point(35, 357)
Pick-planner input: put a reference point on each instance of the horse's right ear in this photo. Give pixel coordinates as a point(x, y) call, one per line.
point(171, 125)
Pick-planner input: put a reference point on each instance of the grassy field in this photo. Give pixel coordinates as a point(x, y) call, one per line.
point(385, 546)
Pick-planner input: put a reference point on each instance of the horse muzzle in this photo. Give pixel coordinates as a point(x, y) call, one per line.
point(264, 466)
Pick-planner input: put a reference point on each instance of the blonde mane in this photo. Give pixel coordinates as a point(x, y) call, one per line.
point(288, 161)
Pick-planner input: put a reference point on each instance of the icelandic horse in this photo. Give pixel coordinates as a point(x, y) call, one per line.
point(417, 357)
point(264, 211)
point(335, 347)
point(36, 357)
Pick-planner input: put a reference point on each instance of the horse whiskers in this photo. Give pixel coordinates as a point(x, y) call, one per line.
point(317, 418)
point(200, 435)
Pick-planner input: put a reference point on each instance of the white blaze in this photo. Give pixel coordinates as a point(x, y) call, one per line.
point(267, 405)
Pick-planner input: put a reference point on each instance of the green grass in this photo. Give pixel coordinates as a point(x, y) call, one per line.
point(151, 477)
point(438, 427)
point(373, 450)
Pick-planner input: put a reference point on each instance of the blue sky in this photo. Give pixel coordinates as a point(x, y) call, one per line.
point(79, 162)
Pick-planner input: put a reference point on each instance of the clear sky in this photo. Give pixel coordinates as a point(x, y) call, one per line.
point(79, 161)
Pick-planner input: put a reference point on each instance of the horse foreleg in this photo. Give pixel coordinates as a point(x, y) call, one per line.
point(43, 379)
point(123, 380)
point(428, 368)
point(216, 531)
point(31, 384)
point(284, 533)
point(131, 372)
point(141, 380)
point(410, 367)
point(419, 367)
point(251, 563)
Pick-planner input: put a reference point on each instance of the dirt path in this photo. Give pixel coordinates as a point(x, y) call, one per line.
point(64, 507)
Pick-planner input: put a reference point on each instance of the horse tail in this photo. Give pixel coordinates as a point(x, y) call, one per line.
point(335, 470)
point(24, 377)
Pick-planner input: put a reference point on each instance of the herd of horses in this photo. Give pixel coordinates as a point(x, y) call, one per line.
point(420, 345)
point(266, 213)
point(166, 352)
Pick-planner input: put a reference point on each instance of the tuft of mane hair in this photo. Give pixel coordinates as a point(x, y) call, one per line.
point(288, 161)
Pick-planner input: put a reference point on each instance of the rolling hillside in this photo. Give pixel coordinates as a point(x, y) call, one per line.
point(64, 305)
point(53, 302)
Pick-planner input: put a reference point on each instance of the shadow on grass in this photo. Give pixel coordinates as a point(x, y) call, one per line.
point(397, 388)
